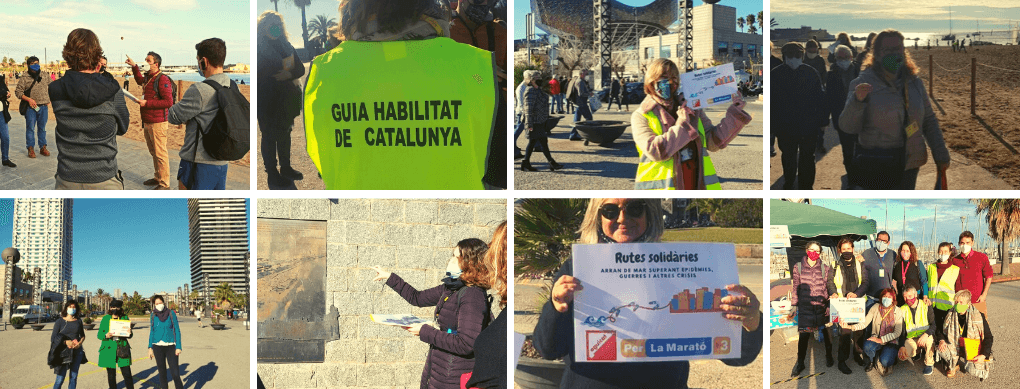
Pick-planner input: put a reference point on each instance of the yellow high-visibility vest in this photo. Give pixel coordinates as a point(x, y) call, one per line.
point(412, 114)
point(916, 324)
point(659, 174)
point(942, 291)
point(838, 278)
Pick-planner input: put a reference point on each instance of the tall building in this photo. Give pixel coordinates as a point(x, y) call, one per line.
point(43, 234)
point(218, 230)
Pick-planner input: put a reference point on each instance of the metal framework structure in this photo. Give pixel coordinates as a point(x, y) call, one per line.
point(687, 29)
point(603, 40)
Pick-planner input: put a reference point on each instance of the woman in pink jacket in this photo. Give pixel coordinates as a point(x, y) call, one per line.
point(673, 150)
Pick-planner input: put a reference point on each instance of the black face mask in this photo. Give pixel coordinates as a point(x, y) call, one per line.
point(847, 257)
point(476, 13)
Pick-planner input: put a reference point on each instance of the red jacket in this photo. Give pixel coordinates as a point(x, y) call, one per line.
point(155, 110)
point(554, 87)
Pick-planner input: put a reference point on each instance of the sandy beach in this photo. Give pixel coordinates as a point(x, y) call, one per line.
point(175, 135)
point(998, 95)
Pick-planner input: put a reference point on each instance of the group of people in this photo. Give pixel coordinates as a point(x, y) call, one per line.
point(66, 354)
point(673, 141)
point(610, 221)
point(876, 103)
point(450, 56)
point(467, 347)
point(91, 111)
point(937, 311)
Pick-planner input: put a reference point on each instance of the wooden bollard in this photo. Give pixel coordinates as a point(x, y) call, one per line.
point(973, 85)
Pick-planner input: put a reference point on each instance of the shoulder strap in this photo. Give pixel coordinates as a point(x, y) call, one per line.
point(29, 90)
point(490, 29)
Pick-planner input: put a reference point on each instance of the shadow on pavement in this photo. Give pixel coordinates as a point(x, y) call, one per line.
point(198, 378)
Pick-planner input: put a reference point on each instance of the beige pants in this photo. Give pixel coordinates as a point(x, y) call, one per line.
point(924, 341)
point(115, 183)
point(155, 139)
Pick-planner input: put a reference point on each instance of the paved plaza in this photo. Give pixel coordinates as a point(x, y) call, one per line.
point(1002, 301)
point(133, 160)
point(210, 359)
point(739, 165)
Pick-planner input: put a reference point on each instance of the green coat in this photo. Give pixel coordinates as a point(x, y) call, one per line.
point(108, 349)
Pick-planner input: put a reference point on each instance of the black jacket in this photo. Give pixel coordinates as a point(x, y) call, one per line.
point(554, 338)
point(798, 102)
point(91, 112)
point(490, 356)
point(837, 89)
point(59, 354)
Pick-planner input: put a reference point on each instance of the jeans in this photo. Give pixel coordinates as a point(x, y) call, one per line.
point(798, 160)
point(519, 119)
point(72, 383)
point(534, 143)
point(164, 355)
point(35, 119)
point(5, 140)
point(556, 105)
point(582, 110)
point(886, 353)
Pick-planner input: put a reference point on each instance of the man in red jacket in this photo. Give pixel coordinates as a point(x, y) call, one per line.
point(157, 99)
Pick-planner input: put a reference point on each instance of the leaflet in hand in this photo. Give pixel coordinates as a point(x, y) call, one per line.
point(707, 87)
point(129, 95)
point(120, 327)
point(399, 320)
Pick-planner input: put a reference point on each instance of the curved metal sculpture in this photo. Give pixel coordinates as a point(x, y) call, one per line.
point(576, 17)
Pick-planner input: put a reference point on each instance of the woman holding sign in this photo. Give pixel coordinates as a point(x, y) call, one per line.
point(629, 221)
point(673, 140)
point(114, 351)
point(462, 312)
point(889, 110)
point(886, 322)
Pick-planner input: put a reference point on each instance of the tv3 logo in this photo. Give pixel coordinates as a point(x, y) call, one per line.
point(721, 345)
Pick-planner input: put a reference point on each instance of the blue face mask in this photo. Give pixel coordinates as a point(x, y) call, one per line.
point(34, 68)
point(663, 87)
point(886, 301)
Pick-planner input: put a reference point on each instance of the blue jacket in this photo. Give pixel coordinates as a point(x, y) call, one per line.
point(167, 331)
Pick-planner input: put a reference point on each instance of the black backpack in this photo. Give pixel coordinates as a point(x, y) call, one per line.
point(173, 86)
point(227, 138)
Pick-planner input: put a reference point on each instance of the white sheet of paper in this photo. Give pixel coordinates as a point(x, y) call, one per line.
point(710, 86)
point(519, 346)
point(398, 320)
point(120, 327)
point(847, 309)
point(129, 95)
point(649, 302)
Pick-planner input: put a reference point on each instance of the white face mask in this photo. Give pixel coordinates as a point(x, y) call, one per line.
point(811, 55)
point(453, 268)
point(71, 311)
point(159, 307)
point(965, 248)
point(794, 63)
point(843, 64)
point(943, 258)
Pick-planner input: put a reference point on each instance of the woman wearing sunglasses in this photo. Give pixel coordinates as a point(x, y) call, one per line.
point(629, 221)
point(673, 140)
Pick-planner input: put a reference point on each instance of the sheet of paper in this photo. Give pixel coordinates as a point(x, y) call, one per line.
point(129, 95)
point(519, 346)
point(649, 302)
point(847, 309)
point(120, 327)
point(398, 320)
point(707, 87)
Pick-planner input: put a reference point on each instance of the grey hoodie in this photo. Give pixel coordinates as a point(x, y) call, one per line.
point(878, 120)
point(90, 112)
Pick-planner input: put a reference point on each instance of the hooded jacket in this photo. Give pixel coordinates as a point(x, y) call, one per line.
point(878, 120)
point(90, 112)
point(451, 354)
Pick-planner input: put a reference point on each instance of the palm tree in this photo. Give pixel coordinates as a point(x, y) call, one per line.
point(224, 292)
point(750, 22)
point(304, 24)
point(761, 20)
point(1003, 218)
point(740, 23)
point(708, 206)
point(544, 230)
point(320, 30)
point(276, 7)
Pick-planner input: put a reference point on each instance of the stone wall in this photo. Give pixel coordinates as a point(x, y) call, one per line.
point(412, 238)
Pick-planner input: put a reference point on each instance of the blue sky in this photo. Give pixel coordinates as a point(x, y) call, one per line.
point(929, 16)
point(132, 244)
point(523, 7)
point(919, 216)
point(292, 15)
point(168, 27)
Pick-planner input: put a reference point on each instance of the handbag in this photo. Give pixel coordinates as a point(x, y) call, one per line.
point(24, 107)
point(594, 103)
point(123, 350)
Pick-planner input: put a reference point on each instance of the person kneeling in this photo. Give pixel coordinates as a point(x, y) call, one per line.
point(919, 329)
point(887, 324)
point(966, 338)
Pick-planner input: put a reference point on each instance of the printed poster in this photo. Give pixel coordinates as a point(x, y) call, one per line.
point(645, 302)
point(707, 87)
point(120, 327)
point(847, 309)
point(398, 320)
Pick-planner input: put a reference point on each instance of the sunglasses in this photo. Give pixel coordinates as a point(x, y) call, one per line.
point(634, 209)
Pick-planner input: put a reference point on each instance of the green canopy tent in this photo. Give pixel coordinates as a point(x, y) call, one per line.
point(811, 222)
